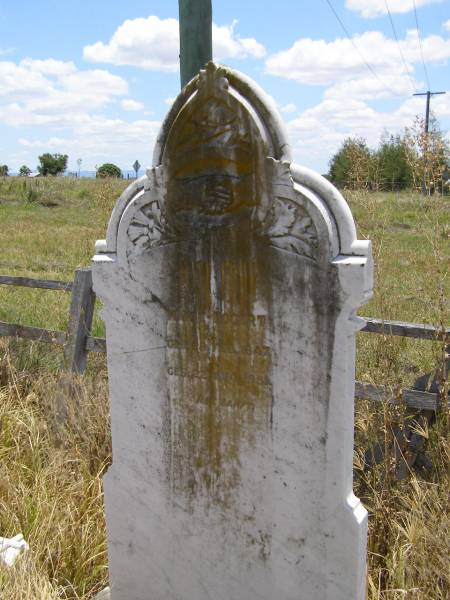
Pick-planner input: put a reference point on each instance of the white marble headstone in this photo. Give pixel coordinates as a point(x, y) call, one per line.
point(230, 280)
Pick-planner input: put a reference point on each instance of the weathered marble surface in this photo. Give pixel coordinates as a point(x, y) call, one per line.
point(230, 281)
point(103, 595)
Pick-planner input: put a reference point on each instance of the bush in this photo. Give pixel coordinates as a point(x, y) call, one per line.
point(109, 170)
point(4, 170)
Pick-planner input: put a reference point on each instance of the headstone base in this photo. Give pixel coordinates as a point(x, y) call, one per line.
point(103, 595)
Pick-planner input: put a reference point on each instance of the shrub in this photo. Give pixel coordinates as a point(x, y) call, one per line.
point(109, 170)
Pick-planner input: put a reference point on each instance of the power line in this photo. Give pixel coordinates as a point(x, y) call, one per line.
point(420, 45)
point(374, 73)
point(394, 31)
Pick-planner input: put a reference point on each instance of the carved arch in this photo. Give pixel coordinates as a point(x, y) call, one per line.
point(311, 196)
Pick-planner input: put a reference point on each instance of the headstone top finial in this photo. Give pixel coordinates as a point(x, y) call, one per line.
point(212, 81)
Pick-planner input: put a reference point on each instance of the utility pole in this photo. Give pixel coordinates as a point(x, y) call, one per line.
point(195, 37)
point(427, 111)
point(428, 94)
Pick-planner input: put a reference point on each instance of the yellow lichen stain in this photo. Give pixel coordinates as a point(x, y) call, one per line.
point(218, 359)
point(213, 155)
point(202, 165)
point(219, 369)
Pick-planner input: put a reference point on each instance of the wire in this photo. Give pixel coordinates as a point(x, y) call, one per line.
point(394, 31)
point(374, 73)
point(420, 44)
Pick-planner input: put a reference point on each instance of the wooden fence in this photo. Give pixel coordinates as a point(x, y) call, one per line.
point(77, 341)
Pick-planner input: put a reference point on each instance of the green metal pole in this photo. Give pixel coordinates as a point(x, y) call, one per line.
point(195, 37)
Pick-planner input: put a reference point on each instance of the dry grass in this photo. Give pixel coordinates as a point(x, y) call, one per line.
point(409, 520)
point(50, 484)
point(50, 479)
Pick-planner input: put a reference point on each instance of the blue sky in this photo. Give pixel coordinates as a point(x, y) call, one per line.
point(94, 79)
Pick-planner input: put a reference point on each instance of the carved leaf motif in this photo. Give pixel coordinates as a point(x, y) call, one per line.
point(148, 226)
point(290, 228)
point(283, 215)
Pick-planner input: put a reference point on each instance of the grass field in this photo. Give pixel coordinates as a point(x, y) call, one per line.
point(50, 480)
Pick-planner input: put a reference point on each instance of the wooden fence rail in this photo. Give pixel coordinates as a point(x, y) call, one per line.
point(46, 284)
point(77, 341)
point(412, 330)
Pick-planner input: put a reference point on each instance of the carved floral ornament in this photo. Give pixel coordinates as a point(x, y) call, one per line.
point(215, 174)
point(287, 225)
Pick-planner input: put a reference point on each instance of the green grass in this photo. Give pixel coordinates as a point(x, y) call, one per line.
point(49, 238)
point(52, 241)
point(409, 233)
point(50, 479)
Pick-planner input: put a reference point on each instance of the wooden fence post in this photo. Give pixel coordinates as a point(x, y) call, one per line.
point(80, 321)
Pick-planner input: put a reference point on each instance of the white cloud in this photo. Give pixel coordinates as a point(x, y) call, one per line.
point(51, 92)
point(446, 25)
point(288, 108)
point(6, 51)
point(228, 44)
point(317, 62)
point(153, 43)
point(319, 131)
point(131, 105)
point(52, 143)
point(57, 97)
point(370, 88)
point(97, 140)
point(368, 9)
point(49, 66)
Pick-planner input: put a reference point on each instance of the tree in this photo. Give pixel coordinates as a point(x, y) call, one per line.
point(52, 164)
point(24, 171)
point(4, 170)
point(351, 165)
point(109, 170)
point(427, 155)
point(393, 169)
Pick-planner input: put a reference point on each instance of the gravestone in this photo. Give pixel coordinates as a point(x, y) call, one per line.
point(230, 280)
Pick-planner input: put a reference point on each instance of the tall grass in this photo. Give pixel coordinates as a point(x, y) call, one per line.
point(50, 484)
point(50, 477)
